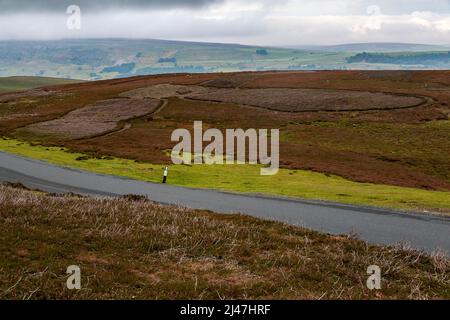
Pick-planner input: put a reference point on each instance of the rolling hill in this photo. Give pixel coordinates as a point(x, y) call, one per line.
point(24, 83)
point(95, 59)
point(380, 47)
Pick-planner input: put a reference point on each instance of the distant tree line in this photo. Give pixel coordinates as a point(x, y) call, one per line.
point(121, 68)
point(414, 58)
point(167, 60)
point(177, 69)
point(262, 52)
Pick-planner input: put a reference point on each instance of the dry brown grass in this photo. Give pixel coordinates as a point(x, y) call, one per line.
point(17, 96)
point(412, 155)
point(402, 147)
point(130, 248)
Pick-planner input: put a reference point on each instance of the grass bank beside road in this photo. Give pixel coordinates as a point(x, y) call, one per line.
point(128, 248)
point(245, 178)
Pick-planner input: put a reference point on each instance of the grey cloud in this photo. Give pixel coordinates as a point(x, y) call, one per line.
point(8, 6)
point(406, 6)
point(275, 22)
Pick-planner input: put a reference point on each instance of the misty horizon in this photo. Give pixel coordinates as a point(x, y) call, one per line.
point(300, 46)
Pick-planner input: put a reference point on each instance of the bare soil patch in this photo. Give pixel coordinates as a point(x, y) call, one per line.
point(282, 99)
point(95, 119)
point(298, 100)
point(161, 91)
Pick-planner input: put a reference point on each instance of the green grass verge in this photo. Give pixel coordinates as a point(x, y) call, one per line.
point(245, 178)
point(24, 83)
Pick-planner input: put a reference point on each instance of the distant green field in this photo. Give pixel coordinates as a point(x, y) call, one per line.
point(95, 59)
point(24, 83)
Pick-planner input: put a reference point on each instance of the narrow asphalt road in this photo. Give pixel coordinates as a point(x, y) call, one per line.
point(376, 226)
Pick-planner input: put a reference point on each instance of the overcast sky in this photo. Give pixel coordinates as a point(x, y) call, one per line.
point(261, 22)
